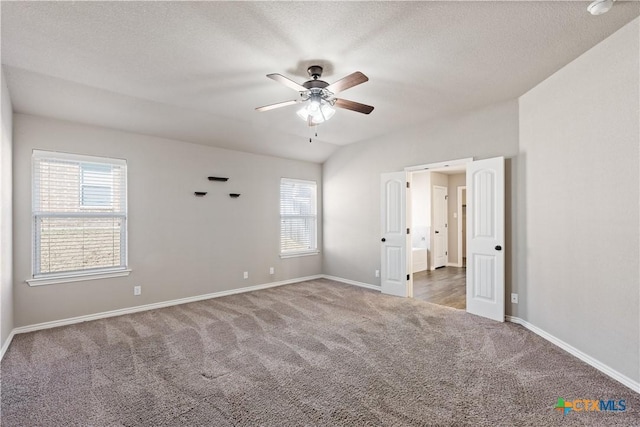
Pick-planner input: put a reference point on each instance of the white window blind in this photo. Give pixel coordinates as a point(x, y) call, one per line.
point(298, 217)
point(79, 214)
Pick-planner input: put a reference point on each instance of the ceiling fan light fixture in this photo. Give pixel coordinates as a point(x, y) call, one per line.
point(327, 111)
point(314, 106)
point(320, 112)
point(303, 113)
point(598, 7)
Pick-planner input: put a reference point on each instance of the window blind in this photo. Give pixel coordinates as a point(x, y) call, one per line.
point(298, 216)
point(79, 214)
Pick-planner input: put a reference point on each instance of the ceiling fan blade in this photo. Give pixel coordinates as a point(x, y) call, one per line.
point(345, 83)
point(354, 106)
point(278, 105)
point(287, 82)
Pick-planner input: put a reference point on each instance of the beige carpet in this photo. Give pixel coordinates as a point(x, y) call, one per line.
point(314, 353)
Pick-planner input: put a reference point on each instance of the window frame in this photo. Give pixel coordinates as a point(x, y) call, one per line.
point(37, 277)
point(303, 252)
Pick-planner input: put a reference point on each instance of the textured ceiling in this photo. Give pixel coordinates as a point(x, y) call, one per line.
point(195, 71)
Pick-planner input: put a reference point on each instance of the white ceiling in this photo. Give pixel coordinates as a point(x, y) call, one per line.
point(195, 71)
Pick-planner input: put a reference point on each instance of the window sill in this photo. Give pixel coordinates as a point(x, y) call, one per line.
point(298, 254)
point(80, 277)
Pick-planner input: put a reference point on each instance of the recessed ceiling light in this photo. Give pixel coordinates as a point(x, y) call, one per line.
point(598, 7)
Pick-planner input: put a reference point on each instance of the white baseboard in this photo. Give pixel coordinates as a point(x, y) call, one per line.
point(607, 370)
point(6, 344)
point(454, 264)
point(139, 308)
point(352, 282)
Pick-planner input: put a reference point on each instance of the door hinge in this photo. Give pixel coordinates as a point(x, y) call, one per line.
point(446, 197)
point(408, 184)
point(446, 253)
point(446, 225)
point(407, 276)
point(407, 231)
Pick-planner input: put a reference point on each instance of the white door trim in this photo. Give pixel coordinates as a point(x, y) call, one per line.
point(459, 207)
point(439, 165)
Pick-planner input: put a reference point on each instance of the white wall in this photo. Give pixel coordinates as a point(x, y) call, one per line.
point(420, 209)
point(579, 195)
point(179, 245)
point(352, 180)
point(6, 249)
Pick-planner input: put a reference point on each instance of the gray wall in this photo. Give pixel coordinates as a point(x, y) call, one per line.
point(352, 181)
point(179, 245)
point(579, 158)
point(6, 230)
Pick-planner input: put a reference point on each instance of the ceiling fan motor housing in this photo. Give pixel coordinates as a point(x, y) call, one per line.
point(315, 84)
point(315, 71)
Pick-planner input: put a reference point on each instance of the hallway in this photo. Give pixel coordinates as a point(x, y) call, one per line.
point(443, 286)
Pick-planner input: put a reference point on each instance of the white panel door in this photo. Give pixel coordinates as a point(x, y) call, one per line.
point(485, 238)
point(393, 264)
point(439, 226)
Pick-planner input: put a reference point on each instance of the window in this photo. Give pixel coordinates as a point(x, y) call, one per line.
point(79, 215)
point(298, 217)
point(96, 190)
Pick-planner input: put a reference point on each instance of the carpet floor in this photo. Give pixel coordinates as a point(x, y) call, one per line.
point(314, 353)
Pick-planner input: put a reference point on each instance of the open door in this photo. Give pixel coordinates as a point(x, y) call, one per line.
point(485, 238)
point(393, 219)
point(440, 237)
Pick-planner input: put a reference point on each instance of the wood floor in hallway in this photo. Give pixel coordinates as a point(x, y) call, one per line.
point(443, 286)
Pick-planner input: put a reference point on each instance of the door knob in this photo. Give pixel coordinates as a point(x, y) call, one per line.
point(384, 240)
point(498, 248)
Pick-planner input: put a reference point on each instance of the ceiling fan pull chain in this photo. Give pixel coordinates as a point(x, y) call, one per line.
point(314, 133)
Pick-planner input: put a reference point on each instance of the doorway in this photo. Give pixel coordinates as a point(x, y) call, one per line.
point(485, 182)
point(444, 286)
point(437, 252)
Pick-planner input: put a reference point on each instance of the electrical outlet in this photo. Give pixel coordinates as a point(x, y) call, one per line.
point(377, 273)
point(246, 274)
point(272, 270)
point(137, 290)
point(514, 298)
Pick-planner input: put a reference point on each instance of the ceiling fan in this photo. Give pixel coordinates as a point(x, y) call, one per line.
point(318, 96)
